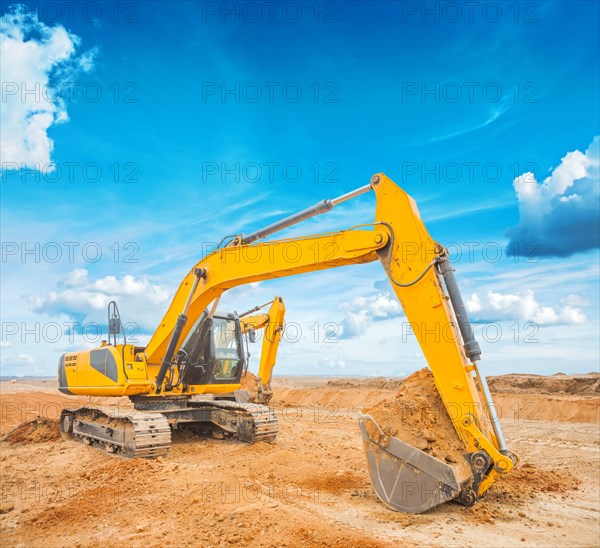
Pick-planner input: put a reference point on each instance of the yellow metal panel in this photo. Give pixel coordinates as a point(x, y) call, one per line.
point(84, 379)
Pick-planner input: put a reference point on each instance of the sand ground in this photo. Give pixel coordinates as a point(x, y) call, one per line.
point(310, 487)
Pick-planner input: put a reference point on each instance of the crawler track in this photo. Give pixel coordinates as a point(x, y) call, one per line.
point(147, 433)
point(249, 422)
point(129, 434)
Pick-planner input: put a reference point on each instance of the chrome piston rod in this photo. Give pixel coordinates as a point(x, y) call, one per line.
point(471, 346)
point(322, 207)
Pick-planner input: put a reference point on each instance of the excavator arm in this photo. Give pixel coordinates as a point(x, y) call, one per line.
point(422, 278)
point(272, 323)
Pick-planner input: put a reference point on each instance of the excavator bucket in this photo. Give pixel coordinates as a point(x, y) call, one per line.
point(406, 479)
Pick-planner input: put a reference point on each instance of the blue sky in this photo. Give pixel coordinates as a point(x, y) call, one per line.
point(163, 126)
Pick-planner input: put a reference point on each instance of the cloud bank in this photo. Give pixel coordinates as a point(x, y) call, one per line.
point(80, 299)
point(522, 307)
point(35, 60)
point(559, 216)
point(361, 312)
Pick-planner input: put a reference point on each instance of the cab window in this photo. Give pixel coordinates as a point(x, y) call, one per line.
point(227, 350)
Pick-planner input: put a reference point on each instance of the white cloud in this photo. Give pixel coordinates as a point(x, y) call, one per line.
point(361, 312)
point(5, 344)
point(17, 359)
point(76, 277)
point(559, 216)
point(575, 300)
point(86, 60)
point(140, 301)
point(128, 285)
point(520, 307)
point(35, 60)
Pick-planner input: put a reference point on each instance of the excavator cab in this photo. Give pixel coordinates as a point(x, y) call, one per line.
point(228, 344)
point(213, 352)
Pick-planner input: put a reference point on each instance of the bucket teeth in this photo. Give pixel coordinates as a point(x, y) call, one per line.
point(406, 479)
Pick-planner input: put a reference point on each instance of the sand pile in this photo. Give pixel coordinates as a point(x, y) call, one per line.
point(35, 431)
point(527, 480)
point(583, 385)
point(249, 382)
point(417, 415)
point(376, 382)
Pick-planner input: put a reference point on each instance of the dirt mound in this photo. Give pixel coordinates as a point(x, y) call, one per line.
point(556, 384)
point(331, 399)
point(377, 382)
point(527, 480)
point(417, 416)
point(35, 431)
point(249, 382)
point(528, 407)
point(519, 489)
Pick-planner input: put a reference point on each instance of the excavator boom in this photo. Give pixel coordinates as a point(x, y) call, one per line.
point(421, 277)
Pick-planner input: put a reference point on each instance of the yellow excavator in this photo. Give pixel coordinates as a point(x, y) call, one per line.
point(215, 354)
point(189, 371)
point(272, 323)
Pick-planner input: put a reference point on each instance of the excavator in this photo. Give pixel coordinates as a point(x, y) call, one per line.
point(190, 370)
point(272, 322)
point(215, 348)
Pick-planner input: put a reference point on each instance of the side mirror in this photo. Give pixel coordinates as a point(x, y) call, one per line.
point(252, 335)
